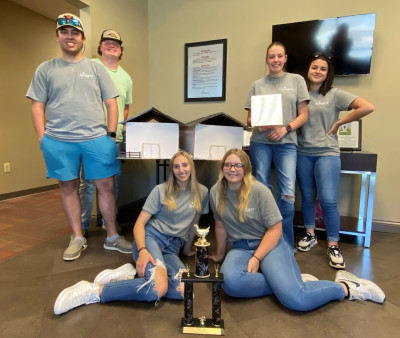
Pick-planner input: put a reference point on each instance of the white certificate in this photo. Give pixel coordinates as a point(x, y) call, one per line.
point(266, 110)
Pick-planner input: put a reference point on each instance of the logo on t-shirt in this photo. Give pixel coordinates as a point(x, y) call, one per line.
point(285, 89)
point(83, 74)
point(321, 103)
point(251, 209)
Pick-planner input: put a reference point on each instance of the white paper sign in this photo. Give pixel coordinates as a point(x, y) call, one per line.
point(266, 110)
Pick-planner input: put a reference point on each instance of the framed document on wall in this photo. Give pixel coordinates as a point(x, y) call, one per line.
point(205, 71)
point(349, 136)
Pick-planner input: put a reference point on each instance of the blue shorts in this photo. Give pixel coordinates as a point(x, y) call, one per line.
point(64, 159)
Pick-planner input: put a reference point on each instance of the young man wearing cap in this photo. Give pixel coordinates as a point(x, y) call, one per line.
point(67, 96)
point(110, 50)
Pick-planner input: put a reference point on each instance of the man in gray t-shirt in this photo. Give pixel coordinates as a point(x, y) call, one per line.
point(67, 96)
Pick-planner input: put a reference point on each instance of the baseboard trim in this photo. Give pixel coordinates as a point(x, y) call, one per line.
point(390, 227)
point(28, 192)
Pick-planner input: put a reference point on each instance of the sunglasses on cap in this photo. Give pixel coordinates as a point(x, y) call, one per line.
point(69, 20)
point(317, 55)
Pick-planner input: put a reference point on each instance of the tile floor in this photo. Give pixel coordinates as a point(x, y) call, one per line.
point(32, 273)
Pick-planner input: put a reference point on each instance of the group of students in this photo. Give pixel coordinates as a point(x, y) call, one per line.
point(312, 155)
point(254, 234)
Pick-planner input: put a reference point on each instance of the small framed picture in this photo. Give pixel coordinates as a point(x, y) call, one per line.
point(205, 71)
point(349, 136)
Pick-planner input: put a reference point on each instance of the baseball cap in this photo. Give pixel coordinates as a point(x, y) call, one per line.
point(71, 20)
point(110, 34)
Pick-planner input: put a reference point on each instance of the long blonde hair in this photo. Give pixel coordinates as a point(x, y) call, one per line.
point(172, 189)
point(245, 187)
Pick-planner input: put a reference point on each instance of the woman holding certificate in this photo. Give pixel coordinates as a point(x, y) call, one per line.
point(259, 262)
point(318, 153)
point(277, 106)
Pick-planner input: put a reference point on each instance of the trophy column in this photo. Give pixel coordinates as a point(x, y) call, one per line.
point(202, 325)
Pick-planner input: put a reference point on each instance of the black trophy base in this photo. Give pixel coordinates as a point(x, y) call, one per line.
point(203, 328)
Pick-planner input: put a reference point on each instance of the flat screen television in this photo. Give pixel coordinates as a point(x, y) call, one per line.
point(349, 39)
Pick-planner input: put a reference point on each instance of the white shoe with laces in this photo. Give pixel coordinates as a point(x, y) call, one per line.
point(360, 289)
point(336, 259)
point(124, 272)
point(307, 242)
point(76, 295)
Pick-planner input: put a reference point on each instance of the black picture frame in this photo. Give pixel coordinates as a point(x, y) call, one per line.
point(205, 70)
point(350, 136)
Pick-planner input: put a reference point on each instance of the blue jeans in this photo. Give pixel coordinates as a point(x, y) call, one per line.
point(284, 158)
point(163, 248)
point(279, 275)
point(86, 195)
point(319, 176)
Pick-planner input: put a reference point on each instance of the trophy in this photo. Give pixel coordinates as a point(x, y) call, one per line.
point(202, 325)
point(202, 254)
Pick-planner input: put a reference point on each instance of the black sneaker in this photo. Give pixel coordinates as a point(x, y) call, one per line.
point(336, 260)
point(307, 242)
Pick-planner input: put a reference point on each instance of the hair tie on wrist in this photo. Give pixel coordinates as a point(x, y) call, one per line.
point(257, 258)
point(142, 248)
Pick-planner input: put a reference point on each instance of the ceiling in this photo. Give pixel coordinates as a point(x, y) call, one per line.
point(51, 9)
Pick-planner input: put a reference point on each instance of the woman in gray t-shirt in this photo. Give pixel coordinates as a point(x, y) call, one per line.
point(259, 262)
point(277, 144)
point(164, 224)
point(318, 153)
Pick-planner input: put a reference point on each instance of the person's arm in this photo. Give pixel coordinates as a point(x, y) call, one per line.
point(269, 241)
point(38, 117)
point(249, 117)
point(112, 113)
point(361, 108)
point(277, 132)
point(139, 235)
point(221, 237)
point(126, 112)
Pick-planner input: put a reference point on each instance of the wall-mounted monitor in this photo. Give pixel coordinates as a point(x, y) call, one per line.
point(349, 39)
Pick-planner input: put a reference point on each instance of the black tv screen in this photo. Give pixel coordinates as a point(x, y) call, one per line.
point(349, 39)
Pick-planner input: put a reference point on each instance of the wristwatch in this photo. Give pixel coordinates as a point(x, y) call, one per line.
point(112, 134)
point(288, 128)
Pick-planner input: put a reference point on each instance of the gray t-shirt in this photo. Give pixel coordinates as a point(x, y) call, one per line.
point(176, 222)
point(262, 212)
point(73, 94)
point(293, 89)
point(323, 112)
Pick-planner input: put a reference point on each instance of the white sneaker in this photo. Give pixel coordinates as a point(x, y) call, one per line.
point(124, 272)
point(76, 295)
point(360, 289)
point(308, 278)
point(307, 242)
point(336, 259)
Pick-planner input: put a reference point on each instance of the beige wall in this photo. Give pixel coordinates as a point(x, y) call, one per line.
point(248, 27)
point(154, 34)
point(26, 45)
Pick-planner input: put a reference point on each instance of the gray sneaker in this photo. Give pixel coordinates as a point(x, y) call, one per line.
point(76, 295)
point(360, 289)
point(124, 272)
point(119, 244)
point(75, 247)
